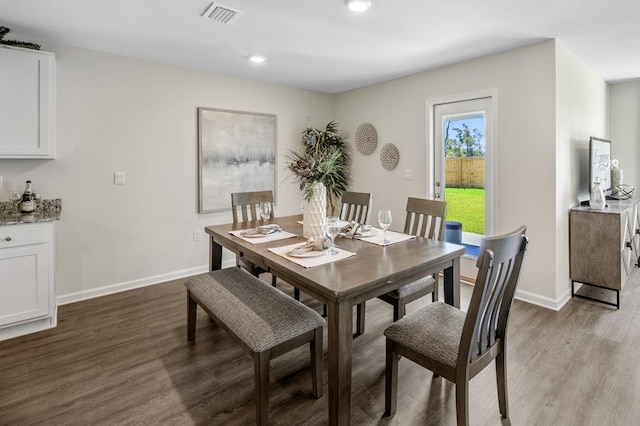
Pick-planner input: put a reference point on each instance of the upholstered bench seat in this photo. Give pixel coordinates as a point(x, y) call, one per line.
point(262, 319)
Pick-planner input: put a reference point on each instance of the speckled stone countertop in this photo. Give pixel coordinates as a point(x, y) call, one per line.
point(47, 211)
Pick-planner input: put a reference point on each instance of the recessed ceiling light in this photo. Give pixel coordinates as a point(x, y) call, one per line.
point(257, 59)
point(358, 5)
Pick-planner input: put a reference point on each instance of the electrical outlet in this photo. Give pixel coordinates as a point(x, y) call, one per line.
point(119, 178)
point(197, 235)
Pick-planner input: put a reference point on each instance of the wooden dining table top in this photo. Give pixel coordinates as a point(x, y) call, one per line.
point(374, 270)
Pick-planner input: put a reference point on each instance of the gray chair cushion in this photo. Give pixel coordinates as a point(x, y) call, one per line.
point(257, 313)
point(412, 288)
point(433, 331)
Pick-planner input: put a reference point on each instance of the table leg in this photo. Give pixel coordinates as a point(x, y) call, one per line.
point(339, 356)
point(452, 283)
point(215, 255)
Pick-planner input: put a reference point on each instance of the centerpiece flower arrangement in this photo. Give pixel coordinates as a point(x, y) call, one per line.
point(324, 158)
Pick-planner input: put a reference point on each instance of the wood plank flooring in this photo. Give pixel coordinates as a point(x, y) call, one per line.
point(124, 359)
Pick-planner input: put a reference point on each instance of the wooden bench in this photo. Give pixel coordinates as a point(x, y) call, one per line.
point(262, 319)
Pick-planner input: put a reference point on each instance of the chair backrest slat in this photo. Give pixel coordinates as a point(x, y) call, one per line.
point(356, 206)
point(247, 203)
point(425, 218)
point(499, 264)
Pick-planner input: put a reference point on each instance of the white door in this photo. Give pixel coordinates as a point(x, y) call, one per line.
point(453, 119)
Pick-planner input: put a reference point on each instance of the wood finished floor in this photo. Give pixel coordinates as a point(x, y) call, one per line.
point(124, 359)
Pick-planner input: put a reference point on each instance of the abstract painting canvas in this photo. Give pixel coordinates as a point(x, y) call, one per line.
point(237, 153)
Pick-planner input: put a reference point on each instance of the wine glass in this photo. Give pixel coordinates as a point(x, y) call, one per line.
point(333, 229)
point(15, 198)
point(384, 219)
point(265, 211)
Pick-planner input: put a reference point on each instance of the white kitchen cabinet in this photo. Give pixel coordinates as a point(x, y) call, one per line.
point(27, 103)
point(27, 279)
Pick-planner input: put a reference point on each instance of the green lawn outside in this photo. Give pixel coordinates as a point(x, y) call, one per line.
point(466, 205)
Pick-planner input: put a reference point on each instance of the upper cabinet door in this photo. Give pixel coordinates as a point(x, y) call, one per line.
point(27, 103)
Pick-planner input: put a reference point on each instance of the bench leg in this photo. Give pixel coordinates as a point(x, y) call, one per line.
point(192, 307)
point(316, 362)
point(261, 362)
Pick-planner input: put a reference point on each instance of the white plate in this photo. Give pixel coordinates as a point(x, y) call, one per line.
point(311, 253)
point(369, 233)
point(256, 235)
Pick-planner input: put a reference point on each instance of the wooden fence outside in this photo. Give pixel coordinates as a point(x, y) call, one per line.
point(465, 172)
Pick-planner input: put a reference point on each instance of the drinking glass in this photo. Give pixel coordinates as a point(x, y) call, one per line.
point(384, 219)
point(15, 198)
point(265, 211)
point(333, 229)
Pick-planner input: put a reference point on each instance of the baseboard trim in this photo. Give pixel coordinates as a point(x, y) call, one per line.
point(65, 299)
point(545, 302)
point(130, 285)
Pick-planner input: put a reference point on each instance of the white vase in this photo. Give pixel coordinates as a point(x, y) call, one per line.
point(314, 214)
point(597, 200)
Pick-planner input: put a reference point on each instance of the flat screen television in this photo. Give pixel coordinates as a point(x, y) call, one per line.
point(600, 163)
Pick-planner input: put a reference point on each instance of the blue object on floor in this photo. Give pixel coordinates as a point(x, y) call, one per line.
point(453, 232)
point(472, 250)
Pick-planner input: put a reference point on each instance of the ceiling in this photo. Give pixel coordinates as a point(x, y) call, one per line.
point(321, 45)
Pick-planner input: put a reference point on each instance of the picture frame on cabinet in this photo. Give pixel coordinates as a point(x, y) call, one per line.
point(236, 153)
point(600, 163)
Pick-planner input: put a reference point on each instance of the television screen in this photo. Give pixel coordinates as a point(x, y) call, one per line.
point(600, 163)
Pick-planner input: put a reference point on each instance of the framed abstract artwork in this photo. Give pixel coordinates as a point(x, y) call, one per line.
point(236, 153)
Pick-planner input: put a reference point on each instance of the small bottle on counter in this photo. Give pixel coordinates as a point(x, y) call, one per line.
point(27, 204)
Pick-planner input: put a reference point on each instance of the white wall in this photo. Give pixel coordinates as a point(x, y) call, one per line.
point(525, 141)
point(581, 112)
point(624, 119)
point(118, 113)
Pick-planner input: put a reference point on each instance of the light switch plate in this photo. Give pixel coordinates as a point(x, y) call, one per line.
point(119, 178)
point(408, 174)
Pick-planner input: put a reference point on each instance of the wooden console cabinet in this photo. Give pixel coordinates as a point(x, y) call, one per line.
point(604, 245)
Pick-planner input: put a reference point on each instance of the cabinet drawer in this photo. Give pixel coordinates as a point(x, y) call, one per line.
point(15, 236)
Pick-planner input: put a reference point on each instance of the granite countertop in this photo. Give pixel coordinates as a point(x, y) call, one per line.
point(47, 211)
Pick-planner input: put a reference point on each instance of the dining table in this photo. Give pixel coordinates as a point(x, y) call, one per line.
point(342, 284)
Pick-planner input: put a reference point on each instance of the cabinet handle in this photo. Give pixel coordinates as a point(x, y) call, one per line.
point(629, 244)
point(8, 239)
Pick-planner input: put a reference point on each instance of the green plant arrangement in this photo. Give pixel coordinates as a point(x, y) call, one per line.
point(324, 157)
point(5, 30)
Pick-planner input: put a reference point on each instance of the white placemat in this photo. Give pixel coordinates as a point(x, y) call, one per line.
point(314, 258)
point(392, 236)
point(259, 239)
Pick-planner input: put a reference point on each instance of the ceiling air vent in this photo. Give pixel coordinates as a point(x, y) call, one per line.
point(223, 14)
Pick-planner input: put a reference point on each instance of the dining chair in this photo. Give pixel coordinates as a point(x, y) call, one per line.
point(458, 346)
point(425, 218)
point(356, 206)
point(245, 207)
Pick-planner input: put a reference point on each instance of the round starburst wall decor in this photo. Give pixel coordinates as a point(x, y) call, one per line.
point(366, 138)
point(389, 156)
